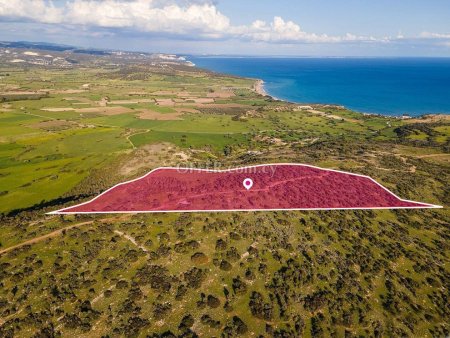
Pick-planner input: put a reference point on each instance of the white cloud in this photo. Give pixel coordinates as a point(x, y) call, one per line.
point(278, 30)
point(187, 19)
point(428, 35)
point(38, 10)
point(438, 39)
point(142, 15)
point(281, 31)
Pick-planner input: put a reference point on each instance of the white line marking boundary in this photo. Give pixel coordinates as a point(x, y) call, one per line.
point(61, 212)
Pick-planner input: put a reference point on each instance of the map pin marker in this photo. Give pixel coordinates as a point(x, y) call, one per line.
point(248, 183)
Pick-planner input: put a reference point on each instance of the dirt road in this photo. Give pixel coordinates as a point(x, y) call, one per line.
point(41, 238)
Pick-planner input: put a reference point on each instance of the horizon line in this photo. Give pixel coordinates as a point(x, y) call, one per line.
point(231, 55)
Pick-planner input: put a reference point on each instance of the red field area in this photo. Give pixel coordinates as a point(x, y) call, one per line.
point(276, 187)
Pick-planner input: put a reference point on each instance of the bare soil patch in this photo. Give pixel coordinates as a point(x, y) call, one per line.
point(79, 99)
point(103, 102)
point(151, 156)
point(137, 93)
point(59, 109)
point(324, 114)
point(186, 110)
point(132, 101)
point(204, 100)
point(6, 107)
point(186, 95)
point(226, 105)
point(154, 115)
point(224, 94)
point(321, 113)
point(52, 125)
point(124, 102)
point(68, 91)
point(165, 102)
point(163, 92)
point(109, 111)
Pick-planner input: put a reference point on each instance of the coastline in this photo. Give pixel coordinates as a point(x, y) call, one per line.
point(259, 88)
point(315, 96)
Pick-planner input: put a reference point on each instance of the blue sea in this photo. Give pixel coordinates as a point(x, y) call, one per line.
point(388, 86)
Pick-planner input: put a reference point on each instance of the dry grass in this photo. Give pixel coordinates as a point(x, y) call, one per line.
point(108, 111)
point(52, 125)
point(60, 109)
point(224, 94)
point(165, 102)
point(154, 115)
point(149, 157)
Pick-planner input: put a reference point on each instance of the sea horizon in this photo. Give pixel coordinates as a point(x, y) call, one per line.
point(287, 56)
point(391, 86)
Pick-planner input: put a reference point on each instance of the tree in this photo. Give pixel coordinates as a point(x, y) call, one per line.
point(213, 302)
point(235, 327)
point(227, 150)
point(239, 287)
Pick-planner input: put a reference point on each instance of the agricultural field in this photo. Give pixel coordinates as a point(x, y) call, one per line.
point(72, 130)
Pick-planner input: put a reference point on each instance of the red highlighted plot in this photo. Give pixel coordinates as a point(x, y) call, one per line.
point(273, 187)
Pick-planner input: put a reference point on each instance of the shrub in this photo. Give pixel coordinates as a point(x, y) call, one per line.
point(213, 302)
point(199, 258)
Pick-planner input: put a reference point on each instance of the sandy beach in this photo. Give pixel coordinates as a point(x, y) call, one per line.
point(259, 87)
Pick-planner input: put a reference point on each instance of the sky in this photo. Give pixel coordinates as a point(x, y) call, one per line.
point(236, 27)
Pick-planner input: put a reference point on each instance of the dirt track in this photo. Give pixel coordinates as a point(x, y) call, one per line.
point(41, 238)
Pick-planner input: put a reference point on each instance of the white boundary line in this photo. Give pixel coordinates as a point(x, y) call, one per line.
point(61, 212)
